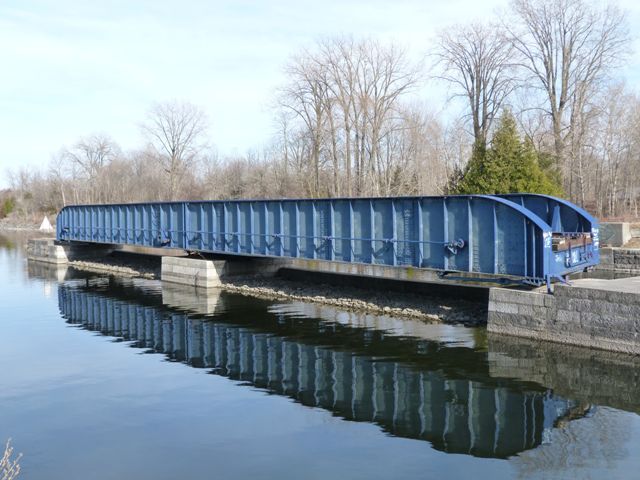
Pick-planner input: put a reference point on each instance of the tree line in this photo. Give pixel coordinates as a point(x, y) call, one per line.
point(543, 111)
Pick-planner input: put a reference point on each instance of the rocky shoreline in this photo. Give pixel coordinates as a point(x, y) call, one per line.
point(348, 298)
point(397, 304)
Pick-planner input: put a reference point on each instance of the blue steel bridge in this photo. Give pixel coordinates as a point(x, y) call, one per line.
point(409, 386)
point(523, 238)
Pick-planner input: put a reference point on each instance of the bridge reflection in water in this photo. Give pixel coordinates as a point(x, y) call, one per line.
point(410, 386)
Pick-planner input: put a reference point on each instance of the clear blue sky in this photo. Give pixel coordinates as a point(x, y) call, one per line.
point(73, 68)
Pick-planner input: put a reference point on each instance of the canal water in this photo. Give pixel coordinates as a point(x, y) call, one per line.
point(108, 378)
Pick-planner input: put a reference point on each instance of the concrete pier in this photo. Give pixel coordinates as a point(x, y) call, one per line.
point(192, 271)
point(207, 273)
point(46, 250)
point(49, 250)
point(602, 314)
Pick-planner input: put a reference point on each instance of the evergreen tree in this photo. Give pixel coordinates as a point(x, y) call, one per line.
point(508, 166)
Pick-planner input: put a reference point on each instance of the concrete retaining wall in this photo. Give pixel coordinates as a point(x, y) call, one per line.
point(616, 257)
point(620, 260)
point(596, 318)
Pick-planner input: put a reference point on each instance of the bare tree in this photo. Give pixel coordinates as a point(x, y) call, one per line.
point(87, 158)
point(345, 98)
point(477, 60)
point(58, 175)
point(387, 76)
point(615, 146)
point(567, 47)
point(93, 153)
point(305, 95)
point(337, 56)
point(176, 131)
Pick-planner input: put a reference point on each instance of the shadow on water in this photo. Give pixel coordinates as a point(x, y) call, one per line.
point(456, 388)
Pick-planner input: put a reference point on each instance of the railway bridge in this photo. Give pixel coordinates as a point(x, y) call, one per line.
point(516, 238)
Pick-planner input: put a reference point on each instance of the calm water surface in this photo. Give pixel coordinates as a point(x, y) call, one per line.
point(108, 378)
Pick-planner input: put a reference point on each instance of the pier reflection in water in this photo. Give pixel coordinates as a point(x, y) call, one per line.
point(412, 385)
